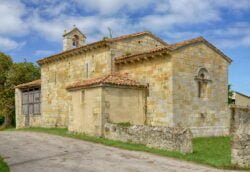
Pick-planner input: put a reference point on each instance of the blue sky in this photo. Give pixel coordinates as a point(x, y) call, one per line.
point(32, 29)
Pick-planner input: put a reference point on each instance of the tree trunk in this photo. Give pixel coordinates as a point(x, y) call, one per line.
point(7, 122)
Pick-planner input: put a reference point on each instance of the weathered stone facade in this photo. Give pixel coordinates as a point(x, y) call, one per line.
point(175, 139)
point(241, 136)
point(177, 93)
point(56, 100)
point(158, 74)
point(135, 45)
point(208, 115)
point(101, 104)
point(241, 99)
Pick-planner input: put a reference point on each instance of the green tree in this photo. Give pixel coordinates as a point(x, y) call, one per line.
point(5, 65)
point(16, 74)
point(230, 95)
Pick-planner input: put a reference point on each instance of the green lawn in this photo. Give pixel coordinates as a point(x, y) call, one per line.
point(213, 151)
point(3, 166)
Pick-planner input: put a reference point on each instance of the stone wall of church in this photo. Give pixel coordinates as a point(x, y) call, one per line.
point(134, 45)
point(57, 75)
point(206, 115)
point(86, 111)
point(158, 74)
point(124, 105)
point(20, 118)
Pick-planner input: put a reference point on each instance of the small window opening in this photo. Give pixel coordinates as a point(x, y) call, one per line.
point(75, 40)
point(82, 98)
point(202, 81)
point(87, 70)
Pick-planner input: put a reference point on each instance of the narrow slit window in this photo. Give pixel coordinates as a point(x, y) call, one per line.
point(202, 82)
point(87, 70)
point(82, 98)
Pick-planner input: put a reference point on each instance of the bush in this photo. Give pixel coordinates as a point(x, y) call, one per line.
point(1, 120)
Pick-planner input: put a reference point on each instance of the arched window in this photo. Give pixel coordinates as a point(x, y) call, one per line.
point(75, 41)
point(202, 80)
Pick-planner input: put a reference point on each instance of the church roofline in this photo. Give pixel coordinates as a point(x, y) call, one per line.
point(75, 29)
point(71, 52)
point(123, 59)
point(108, 80)
point(32, 84)
point(94, 45)
point(157, 52)
point(200, 39)
point(167, 50)
point(136, 35)
point(242, 94)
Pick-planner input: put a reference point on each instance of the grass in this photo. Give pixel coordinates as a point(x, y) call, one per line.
point(124, 124)
point(3, 166)
point(212, 151)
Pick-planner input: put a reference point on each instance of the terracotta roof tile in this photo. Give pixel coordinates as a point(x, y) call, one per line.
point(135, 35)
point(142, 55)
point(111, 79)
point(169, 48)
point(198, 40)
point(72, 51)
point(35, 83)
point(103, 42)
point(186, 42)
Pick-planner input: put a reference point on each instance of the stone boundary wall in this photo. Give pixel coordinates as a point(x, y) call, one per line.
point(173, 139)
point(241, 136)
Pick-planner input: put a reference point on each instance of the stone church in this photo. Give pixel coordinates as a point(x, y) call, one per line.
point(137, 79)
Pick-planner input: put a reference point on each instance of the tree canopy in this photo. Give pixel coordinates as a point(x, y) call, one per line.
point(12, 74)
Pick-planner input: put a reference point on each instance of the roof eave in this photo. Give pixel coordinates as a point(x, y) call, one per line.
point(141, 57)
point(228, 59)
point(104, 85)
point(32, 84)
point(72, 52)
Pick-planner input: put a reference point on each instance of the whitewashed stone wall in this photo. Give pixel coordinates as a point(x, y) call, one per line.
point(174, 139)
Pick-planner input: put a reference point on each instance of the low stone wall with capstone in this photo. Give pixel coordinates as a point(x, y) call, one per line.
point(174, 139)
point(241, 136)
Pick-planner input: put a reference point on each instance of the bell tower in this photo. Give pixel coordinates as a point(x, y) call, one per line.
point(73, 39)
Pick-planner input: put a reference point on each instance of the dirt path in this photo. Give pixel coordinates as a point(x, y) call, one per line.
point(37, 152)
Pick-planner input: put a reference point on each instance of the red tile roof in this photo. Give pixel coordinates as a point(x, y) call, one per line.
point(111, 79)
point(169, 48)
point(135, 35)
point(35, 83)
point(138, 56)
point(94, 45)
point(198, 40)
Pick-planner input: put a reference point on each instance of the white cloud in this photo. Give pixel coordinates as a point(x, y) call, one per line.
point(232, 4)
point(8, 44)
point(172, 13)
point(234, 35)
point(110, 7)
point(11, 20)
point(48, 19)
point(95, 27)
